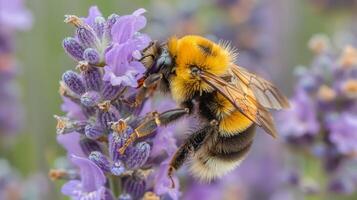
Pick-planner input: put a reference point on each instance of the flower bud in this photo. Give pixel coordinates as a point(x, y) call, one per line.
point(88, 145)
point(90, 99)
point(135, 186)
point(87, 37)
point(92, 78)
point(74, 82)
point(107, 114)
point(125, 197)
point(116, 141)
point(117, 168)
point(137, 156)
point(108, 26)
point(73, 48)
point(109, 91)
point(99, 26)
point(91, 56)
point(93, 131)
point(100, 160)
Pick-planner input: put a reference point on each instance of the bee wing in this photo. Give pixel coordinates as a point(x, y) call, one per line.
point(244, 102)
point(265, 92)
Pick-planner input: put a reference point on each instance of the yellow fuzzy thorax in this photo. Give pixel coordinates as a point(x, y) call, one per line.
point(196, 51)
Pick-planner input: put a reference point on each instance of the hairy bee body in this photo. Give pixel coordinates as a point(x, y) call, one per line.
point(225, 147)
point(200, 75)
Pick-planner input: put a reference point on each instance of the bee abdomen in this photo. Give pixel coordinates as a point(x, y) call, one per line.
point(220, 155)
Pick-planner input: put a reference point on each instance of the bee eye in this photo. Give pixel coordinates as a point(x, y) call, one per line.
point(195, 71)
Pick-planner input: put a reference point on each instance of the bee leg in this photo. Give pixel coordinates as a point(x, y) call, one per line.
point(191, 145)
point(152, 123)
point(149, 82)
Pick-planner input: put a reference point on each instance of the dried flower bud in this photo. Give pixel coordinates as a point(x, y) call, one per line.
point(92, 56)
point(74, 82)
point(109, 91)
point(117, 168)
point(138, 155)
point(93, 131)
point(326, 94)
point(125, 196)
point(87, 37)
point(73, 48)
point(349, 88)
point(66, 125)
point(100, 160)
point(319, 43)
point(135, 186)
point(348, 57)
point(88, 145)
point(90, 99)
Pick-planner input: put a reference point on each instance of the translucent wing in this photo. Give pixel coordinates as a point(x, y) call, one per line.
point(244, 102)
point(264, 91)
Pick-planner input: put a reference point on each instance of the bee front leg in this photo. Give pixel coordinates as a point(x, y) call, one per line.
point(148, 83)
point(191, 145)
point(152, 123)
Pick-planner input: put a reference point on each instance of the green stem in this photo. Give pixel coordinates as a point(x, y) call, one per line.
point(115, 185)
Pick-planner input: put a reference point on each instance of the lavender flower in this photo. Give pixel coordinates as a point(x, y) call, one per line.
point(323, 116)
point(101, 114)
point(13, 16)
point(91, 185)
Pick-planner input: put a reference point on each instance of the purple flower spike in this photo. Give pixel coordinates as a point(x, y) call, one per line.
point(90, 99)
point(93, 131)
point(91, 56)
point(74, 82)
point(138, 155)
point(88, 146)
point(73, 48)
point(135, 186)
point(100, 160)
point(91, 183)
point(87, 37)
point(92, 78)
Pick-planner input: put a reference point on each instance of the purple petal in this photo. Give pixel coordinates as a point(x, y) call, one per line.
point(92, 177)
point(126, 26)
point(93, 13)
point(163, 183)
point(72, 109)
point(13, 14)
point(343, 133)
point(70, 142)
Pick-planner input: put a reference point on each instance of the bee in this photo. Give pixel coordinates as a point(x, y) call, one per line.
point(202, 78)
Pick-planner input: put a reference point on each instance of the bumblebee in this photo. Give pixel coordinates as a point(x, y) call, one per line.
point(202, 78)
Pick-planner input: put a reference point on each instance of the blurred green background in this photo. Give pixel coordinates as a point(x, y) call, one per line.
point(43, 61)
